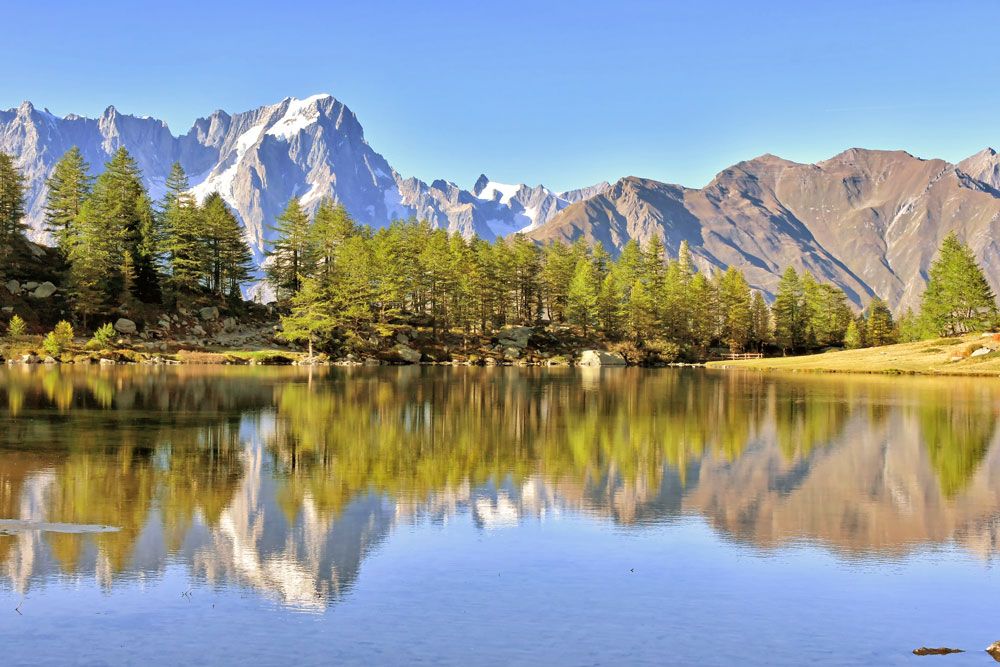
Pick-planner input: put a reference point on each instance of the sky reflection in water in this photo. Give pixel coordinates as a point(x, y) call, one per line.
point(495, 516)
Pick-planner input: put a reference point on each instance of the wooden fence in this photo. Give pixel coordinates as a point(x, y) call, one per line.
point(744, 355)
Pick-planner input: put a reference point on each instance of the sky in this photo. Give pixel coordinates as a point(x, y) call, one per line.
point(561, 93)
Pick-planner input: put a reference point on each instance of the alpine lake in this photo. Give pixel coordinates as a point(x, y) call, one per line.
point(198, 515)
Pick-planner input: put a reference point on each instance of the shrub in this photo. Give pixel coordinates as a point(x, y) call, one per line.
point(51, 345)
point(103, 338)
point(16, 328)
point(59, 339)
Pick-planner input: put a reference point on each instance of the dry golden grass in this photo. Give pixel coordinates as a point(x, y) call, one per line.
point(928, 357)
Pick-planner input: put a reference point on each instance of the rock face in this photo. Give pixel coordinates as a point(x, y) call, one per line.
point(126, 326)
point(600, 358)
point(868, 221)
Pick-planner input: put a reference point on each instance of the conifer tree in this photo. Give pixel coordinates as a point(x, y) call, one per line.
point(230, 261)
point(291, 252)
point(610, 307)
point(760, 321)
point(313, 315)
point(852, 337)
point(789, 312)
point(331, 227)
point(641, 312)
point(68, 188)
point(582, 296)
point(958, 298)
point(736, 309)
point(11, 210)
point(183, 228)
point(880, 329)
point(704, 312)
point(558, 267)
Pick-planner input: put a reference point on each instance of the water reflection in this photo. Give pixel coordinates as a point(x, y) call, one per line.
point(283, 480)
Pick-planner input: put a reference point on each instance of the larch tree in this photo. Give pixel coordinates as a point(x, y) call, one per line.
point(789, 312)
point(68, 188)
point(880, 329)
point(290, 254)
point(11, 210)
point(958, 298)
point(582, 296)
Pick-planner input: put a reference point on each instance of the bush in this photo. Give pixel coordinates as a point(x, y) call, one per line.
point(103, 338)
point(59, 339)
point(16, 328)
point(51, 345)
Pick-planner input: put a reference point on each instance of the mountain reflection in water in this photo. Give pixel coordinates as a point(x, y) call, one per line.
point(283, 480)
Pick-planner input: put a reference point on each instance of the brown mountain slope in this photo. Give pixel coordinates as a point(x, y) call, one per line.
point(869, 221)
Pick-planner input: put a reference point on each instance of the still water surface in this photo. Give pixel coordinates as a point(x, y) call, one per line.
point(494, 516)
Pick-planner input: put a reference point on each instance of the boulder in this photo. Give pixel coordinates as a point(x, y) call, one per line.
point(30, 285)
point(126, 326)
point(601, 358)
point(229, 325)
point(408, 354)
point(29, 359)
point(13, 287)
point(49, 360)
point(980, 352)
point(44, 291)
point(197, 330)
point(209, 313)
point(513, 336)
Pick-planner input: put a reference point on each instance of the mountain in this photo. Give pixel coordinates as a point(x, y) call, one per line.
point(310, 148)
point(869, 221)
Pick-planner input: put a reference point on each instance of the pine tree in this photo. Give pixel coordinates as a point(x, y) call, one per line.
point(610, 307)
point(789, 312)
point(229, 260)
point(760, 321)
point(704, 312)
point(736, 310)
point(11, 210)
point(958, 298)
point(881, 330)
point(68, 188)
point(852, 337)
point(291, 252)
point(183, 227)
point(582, 296)
point(641, 313)
point(313, 315)
point(558, 267)
point(331, 227)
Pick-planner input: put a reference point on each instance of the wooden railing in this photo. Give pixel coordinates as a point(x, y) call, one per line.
point(744, 355)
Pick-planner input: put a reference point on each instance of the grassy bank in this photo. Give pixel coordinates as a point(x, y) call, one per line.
point(943, 356)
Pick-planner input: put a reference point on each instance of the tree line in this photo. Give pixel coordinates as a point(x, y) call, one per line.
point(336, 279)
point(119, 248)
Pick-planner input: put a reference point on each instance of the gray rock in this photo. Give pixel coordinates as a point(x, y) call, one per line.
point(29, 359)
point(601, 358)
point(229, 325)
point(209, 313)
point(402, 338)
point(106, 362)
point(49, 360)
point(44, 291)
point(30, 285)
point(197, 330)
point(981, 352)
point(408, 354)
point(13, 287)
point(512, 336)
point(126, 326)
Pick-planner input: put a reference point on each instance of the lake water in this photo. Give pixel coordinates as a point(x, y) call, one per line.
point(466, 516)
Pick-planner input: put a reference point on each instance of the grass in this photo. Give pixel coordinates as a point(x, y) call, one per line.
point(928, 357)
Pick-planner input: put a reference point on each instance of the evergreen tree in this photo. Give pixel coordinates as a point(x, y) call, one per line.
point(291, 252)
point(760, 321)
point(313, 314)
point(909, 327)
point(183, 227)
point(852, 337)
point(881, 330)
point(736, 310)
point(789, 312)
point(582, 296)
point(11, 210)
point(704, 312)
point(558, 267)
point(68, 188)
point(641, 313)
point(230, 261)
point(331, 227)
point(958, 298)
point(610, 307)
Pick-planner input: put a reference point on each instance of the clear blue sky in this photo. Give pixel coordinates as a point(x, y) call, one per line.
point(562, 93)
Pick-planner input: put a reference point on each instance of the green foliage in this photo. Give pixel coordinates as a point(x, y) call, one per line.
point(790, 315)
point(291, 252)
point(68, 188)
point(958, 299)
point(582, 296)
point(881, 330)
point(852, 337)
point(16, 328)
point(104, 337)
point(59, 339)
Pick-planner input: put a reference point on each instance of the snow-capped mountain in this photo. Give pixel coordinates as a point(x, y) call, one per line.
point(257, 160)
